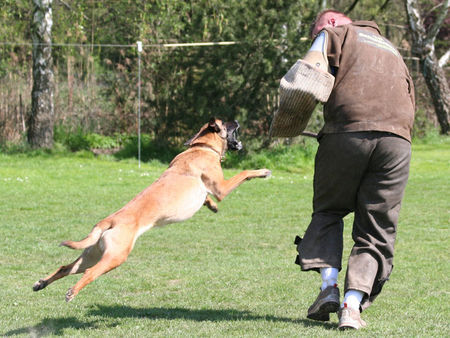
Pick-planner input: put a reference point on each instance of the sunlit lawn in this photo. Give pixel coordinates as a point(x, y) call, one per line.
point(225, 274)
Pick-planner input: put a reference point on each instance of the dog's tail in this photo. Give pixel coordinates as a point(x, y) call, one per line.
point(90, 239)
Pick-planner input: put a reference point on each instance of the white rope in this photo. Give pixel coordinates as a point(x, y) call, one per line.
point(194, 44)
point(157, 45)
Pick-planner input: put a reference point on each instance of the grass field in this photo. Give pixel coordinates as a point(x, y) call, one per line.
point(225, 274)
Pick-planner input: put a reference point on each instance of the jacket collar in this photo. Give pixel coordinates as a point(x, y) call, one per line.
point(370, 24)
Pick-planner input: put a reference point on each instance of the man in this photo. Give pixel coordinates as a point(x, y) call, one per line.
point(361, 166)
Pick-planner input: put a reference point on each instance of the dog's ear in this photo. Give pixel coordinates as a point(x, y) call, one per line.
point(188, 142)
point(192, 139)
point(212, 125)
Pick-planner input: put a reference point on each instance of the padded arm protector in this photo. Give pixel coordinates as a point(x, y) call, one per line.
point(306, 83)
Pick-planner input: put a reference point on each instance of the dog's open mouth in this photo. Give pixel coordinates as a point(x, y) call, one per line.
point(232, 135)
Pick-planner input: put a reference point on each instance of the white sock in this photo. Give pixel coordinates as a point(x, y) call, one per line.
point(329, 277)
point(353, 298)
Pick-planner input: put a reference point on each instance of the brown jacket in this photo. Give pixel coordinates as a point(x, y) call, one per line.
point(373, 89)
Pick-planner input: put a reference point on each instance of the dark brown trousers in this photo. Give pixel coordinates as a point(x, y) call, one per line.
point(364, 173)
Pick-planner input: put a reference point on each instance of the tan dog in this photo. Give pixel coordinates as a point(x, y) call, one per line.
point(176, 196)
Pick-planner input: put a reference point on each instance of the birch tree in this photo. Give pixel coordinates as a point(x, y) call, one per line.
point(431, 67)
point(40, 129)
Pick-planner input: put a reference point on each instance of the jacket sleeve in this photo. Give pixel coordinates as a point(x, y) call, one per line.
point(336, 37)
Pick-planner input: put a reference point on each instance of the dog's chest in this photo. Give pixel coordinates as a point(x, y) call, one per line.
point(182, 197)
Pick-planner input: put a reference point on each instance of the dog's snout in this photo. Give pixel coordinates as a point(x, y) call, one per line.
point(232, 135)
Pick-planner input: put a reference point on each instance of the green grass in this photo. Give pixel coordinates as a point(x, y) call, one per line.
point(225, 274)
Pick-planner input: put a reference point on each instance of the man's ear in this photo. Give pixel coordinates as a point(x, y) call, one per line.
point(212, 125)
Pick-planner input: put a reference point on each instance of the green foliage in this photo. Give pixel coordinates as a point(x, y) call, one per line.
point(79, 139)
point(14, 147)
point(96, 87)
point(151, 149)
point(188, 85)
point(101, 142)
point(423, 125)
point(433, 137)
point(181, 87)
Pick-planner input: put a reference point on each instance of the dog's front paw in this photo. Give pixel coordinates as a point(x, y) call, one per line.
point(39, 285)
point(265, 173)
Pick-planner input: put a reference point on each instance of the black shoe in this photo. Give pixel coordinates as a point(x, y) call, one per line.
point(327, 301)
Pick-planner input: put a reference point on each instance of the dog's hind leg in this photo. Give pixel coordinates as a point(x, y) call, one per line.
point(106, 264)
point(60, 273)
point(118, 245)
point(88, 258)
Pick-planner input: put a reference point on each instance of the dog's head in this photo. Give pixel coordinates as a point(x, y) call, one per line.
point(216, 131)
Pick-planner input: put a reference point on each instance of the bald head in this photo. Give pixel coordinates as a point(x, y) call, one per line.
point(329, 18)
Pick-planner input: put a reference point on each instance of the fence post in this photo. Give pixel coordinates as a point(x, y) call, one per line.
point(139, 48)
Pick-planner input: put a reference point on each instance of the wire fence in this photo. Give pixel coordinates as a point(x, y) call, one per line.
point(140, 47)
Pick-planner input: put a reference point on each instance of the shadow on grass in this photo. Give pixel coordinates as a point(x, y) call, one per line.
point(56, 326)
point(214, 315)
point(52, 326)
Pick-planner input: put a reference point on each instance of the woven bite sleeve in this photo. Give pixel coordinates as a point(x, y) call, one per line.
point(303, 86)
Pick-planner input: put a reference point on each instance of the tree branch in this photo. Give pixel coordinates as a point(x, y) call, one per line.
point(352, 6)
point(70, 8)
point(382, 8)
point(415, 20)
point(434, 30)
point(444, 59)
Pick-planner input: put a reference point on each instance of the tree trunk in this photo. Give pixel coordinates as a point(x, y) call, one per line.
point(40, 130)
point(423, 48)
point(438, 86)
